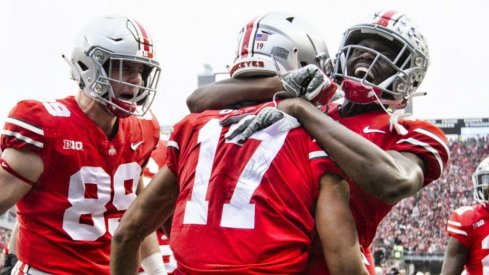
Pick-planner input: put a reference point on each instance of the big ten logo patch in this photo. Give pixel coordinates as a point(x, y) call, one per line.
point(72, 145)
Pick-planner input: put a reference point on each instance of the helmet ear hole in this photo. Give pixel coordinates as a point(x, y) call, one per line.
point(106, 66)
point(82, 66)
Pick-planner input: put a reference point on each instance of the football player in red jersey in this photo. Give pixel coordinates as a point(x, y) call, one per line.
point(386, 157)
point(156, 162)
point(247, 209)
point(73, 165)
point(468, 228)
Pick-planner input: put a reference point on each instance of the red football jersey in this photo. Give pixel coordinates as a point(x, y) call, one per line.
point(67, 220)
point(243, 208)
point(470, 226)
point(155, 163)
point(422, 138)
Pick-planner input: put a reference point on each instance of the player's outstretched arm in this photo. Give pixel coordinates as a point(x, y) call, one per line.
point(388, 175)
point(336, 227)
point(148, 211)
point(455, 258)
point(226, 93)
point(20, 169)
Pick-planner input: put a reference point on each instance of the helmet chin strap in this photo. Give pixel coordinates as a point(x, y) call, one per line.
point(394, 117)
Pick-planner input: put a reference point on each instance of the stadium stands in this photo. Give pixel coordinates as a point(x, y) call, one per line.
point(418, 223)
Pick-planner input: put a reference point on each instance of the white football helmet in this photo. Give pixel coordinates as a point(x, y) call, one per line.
point(280, 37)
point(480, 179)
point(410, 62)
point(107, 42)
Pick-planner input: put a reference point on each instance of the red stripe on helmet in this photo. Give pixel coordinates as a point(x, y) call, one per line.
point(148, 48)
point(386, 17)
point(246, 38)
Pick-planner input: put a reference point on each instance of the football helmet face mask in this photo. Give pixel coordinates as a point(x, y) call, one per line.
point(278, 41)
point(407, 63)
point(109, 43)
point(480, 179)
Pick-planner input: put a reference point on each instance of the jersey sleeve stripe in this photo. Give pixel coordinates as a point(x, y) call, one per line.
point(456, 231)
point(25, 125)
point(426, 146)
point(317, 154)
point(24, 138)
point(435, 137)
point(450, 222)
point(173, 144)
point(166, 250)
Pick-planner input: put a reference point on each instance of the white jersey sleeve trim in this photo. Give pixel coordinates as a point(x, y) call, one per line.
point(317, 154)
point(173, 144)
point(24, 125)
point(456, 231)
point(428, 147)
point(24, 138)
point(435, 137)
point(450, 222)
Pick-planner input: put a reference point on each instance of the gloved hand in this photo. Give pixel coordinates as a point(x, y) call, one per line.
point(250, 124)
point(9, 264)
point(310, 83)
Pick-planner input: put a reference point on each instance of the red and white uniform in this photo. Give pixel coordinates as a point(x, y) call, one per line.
point(470, 226)
point(155, 163)
point(424, 139)
point(67, 220)
point(243, 209)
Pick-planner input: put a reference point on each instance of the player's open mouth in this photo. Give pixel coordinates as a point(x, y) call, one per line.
point(127, 96)
point(361, 71)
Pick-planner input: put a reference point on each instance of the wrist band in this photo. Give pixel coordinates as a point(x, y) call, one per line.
point(153, 264)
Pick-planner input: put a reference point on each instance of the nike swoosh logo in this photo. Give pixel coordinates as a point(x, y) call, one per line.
point(134, 146)
point(367, 130)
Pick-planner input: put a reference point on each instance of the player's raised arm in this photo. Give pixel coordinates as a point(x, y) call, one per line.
point(233, 91)
point(353, 153)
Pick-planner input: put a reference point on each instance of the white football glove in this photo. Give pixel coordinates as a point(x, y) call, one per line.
point(250, 124)
point(310, 83)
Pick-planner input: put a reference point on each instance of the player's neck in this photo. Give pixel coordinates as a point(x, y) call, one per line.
point(97, 112)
